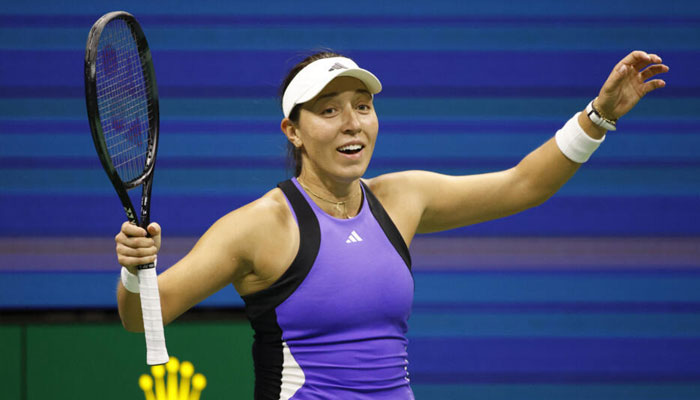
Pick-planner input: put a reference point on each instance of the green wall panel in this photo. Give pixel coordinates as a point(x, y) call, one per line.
point(11, 362)
point(89, 361)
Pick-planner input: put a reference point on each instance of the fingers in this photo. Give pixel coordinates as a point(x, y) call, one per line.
point(134, 247)
point(644, 61)
point(631, 79)
point(132, 262)
point(134, 252)
point(653, 85)
point(639, 60)
point(655, 59)
point(653, 71)
point(154, 229)
point(649, 66)
point(616, 77)
point(130, 229)
point(144, 255)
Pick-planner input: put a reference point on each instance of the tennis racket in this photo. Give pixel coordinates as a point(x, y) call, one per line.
point(122, 107)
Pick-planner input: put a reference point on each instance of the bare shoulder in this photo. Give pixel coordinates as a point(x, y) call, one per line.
point(261, 238)
point(271, 208)
point(404, 184)
point(388, 183)
point(401, 196)
point(247, 247)
point(256, 223)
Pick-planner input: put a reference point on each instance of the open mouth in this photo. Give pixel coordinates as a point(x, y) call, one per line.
point(351, 148)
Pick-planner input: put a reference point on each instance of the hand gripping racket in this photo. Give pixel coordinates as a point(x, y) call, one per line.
point(122, 106)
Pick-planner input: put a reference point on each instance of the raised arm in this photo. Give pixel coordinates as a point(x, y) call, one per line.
point(207, 268)
point(441, 202)
point(241, 248)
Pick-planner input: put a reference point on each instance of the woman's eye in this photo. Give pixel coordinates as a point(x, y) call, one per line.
point(328, 111)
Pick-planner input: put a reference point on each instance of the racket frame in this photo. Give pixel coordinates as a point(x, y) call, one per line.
point(156, 351)
point(146, 177)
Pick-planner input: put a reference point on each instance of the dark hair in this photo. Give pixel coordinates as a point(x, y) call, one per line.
point(293, 153)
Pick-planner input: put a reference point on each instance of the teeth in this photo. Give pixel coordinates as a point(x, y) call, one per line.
point(350, 147)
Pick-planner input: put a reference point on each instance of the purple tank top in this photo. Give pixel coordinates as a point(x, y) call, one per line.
point(334, 325)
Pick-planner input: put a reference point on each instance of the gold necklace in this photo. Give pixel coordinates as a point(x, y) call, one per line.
point(344, 211)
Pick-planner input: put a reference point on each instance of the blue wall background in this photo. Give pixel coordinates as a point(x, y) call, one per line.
point(470, 87)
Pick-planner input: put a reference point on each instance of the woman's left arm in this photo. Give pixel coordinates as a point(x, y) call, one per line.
point(452, 201)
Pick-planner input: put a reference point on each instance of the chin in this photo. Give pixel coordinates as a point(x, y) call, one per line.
point(353, 173)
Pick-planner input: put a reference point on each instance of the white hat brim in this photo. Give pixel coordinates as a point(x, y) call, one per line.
point(311, 80)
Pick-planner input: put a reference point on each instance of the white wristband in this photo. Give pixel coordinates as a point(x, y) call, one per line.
point(573, 141)
point(130, 281)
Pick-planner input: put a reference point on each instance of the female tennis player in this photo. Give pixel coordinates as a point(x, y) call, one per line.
point(322, 260)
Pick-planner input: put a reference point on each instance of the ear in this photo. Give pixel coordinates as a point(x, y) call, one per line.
point(290, 131)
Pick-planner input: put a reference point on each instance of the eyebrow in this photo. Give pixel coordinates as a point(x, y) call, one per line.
point(332, 94)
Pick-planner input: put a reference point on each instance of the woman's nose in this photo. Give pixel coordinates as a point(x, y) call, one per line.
point(351, 121)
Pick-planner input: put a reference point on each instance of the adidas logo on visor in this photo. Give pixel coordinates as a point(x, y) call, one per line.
point(337, 66)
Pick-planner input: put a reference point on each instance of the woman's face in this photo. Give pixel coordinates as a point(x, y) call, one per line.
point(337, 130)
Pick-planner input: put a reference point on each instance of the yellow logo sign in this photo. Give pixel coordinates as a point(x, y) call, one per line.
point(190, 384)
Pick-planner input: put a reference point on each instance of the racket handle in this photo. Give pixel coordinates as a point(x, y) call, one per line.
point(156, 352)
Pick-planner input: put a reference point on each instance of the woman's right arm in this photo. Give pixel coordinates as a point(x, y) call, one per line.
point(225, 254)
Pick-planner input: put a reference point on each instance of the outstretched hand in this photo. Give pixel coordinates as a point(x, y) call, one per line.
point(629, 81)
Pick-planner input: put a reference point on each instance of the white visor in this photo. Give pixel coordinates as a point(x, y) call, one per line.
point(311, 80)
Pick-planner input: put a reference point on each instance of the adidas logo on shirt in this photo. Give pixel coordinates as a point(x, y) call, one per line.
point(353, 238)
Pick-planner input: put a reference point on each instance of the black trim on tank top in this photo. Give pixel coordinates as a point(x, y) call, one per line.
point(309, 243)
point(260, 307)
point(390, 230)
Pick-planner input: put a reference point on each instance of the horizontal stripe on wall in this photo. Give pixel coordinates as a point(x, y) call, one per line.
point(484, 294)
point(396, 91)
point(554, 360)
point(191, 216)
point(450, 37)
point(564, 257)
point(388, 108)
point(236, 177)
point(392, 20)
point(565, 307)
point(416, 73)
point(623, 170)
point(388, 126)
point(193, 148)
point(368, 7)
point(57, 290)
point(648, 320)
point(583, 287)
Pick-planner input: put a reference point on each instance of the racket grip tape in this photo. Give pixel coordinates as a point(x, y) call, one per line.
point(156, 352)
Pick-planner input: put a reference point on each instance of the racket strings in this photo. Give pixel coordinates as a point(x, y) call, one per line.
point(124, 105)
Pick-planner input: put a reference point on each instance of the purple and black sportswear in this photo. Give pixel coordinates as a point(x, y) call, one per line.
point(334, 325)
